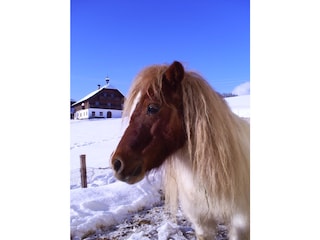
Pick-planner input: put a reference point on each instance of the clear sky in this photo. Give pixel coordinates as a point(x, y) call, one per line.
point(119, 37)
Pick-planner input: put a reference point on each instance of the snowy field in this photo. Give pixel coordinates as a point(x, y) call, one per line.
point(106, 201)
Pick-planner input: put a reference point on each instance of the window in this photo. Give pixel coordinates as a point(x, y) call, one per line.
point(101, 114)
point(93, 114)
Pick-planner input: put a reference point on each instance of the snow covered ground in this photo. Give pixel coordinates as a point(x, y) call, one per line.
point(106, 201)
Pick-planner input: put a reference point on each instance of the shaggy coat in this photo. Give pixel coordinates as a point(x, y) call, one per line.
point(210, 174)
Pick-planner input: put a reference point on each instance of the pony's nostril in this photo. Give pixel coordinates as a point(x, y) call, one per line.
point(117, 165)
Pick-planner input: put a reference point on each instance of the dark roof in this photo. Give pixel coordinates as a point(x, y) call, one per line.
point(108, 86)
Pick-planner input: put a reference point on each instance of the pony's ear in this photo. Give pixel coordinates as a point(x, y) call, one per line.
point(174, 74)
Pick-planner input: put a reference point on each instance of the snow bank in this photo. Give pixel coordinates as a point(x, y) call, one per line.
point(240, 105)
point(93, 208)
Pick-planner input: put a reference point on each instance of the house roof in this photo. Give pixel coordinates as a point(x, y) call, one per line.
point(107, 86)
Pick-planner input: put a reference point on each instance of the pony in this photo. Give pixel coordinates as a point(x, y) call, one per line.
point(180, 124)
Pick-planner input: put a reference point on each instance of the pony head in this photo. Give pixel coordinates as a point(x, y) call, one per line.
point(156, 128)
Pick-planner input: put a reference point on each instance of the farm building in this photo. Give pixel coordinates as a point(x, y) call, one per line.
point(105, 102)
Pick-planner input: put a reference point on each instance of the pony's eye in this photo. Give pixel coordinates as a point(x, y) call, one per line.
point(152, 108)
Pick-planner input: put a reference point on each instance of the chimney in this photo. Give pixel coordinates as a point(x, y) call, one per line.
point(99, 86)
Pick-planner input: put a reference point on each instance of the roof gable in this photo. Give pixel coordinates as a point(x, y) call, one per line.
point(90, 95)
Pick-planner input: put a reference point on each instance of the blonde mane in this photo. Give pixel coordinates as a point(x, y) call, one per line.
point(217, 140)
point(148, 78)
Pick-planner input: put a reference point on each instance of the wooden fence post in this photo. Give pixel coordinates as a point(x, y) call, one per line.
point(83, 170)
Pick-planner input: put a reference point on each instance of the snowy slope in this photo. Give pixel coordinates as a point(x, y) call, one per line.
point(240, 105)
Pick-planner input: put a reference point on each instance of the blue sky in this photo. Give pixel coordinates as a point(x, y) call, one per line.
point(120, 37)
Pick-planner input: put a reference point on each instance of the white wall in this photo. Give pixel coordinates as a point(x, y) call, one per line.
point(99, 113)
